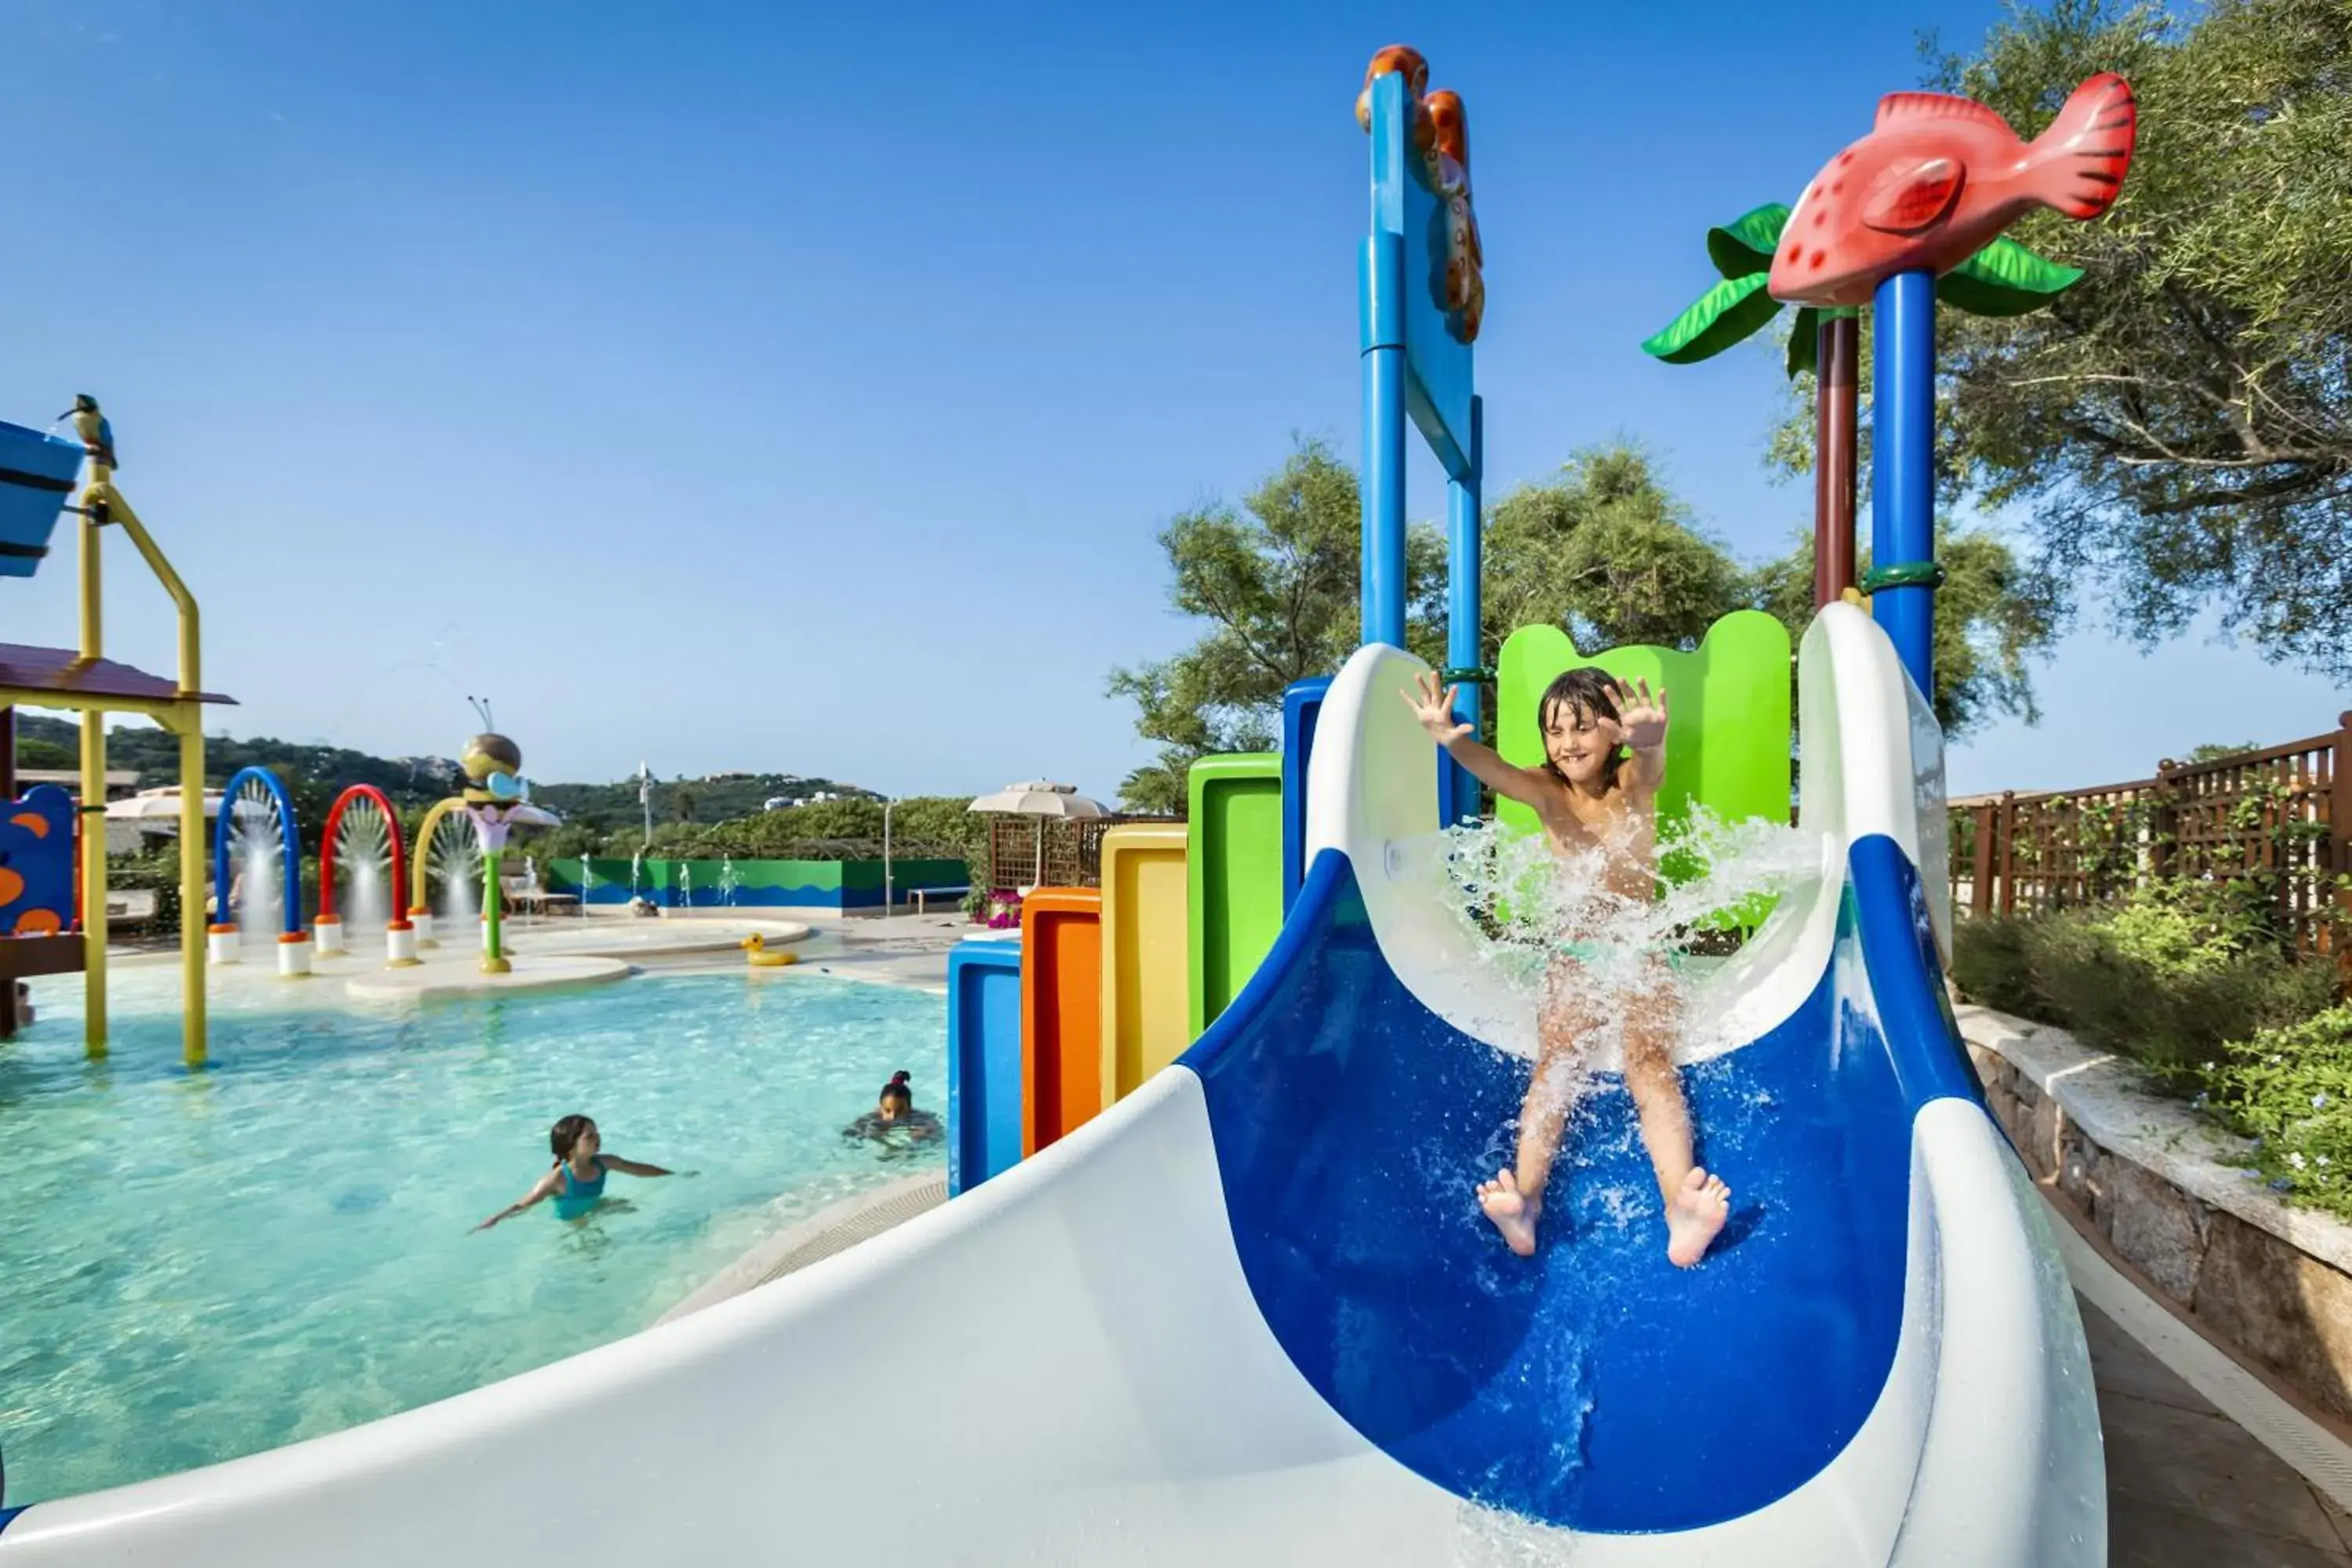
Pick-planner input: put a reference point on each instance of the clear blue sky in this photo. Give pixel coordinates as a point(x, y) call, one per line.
point(752, 385)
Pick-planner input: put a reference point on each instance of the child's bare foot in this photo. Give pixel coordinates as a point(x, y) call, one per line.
point(1694, 1216)
point(1514, 1212)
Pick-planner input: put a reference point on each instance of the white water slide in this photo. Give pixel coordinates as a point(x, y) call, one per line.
point(1250, 1315)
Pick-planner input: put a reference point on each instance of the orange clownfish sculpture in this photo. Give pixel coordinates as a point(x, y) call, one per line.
point(1465, 278)
point(1440, 133)
point(1394, 58)
point(1938, 179)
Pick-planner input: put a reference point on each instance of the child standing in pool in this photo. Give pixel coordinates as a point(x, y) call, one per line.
point(576, 1182)
point(1594, 798)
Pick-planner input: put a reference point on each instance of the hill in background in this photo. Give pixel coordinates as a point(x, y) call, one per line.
point(315, 774)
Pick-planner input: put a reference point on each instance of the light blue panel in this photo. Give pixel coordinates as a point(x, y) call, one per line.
point(1439, 380)
point(983, 1062)
point(37, 478)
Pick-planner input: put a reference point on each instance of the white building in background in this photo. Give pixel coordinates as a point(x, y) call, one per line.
point(122, 838)
point(785, 802)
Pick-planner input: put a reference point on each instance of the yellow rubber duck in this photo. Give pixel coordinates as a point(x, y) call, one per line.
point(755, 951)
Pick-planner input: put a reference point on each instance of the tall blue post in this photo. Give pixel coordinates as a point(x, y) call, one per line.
point(1903, 475)
point(1381, 292)
point(1462, 603)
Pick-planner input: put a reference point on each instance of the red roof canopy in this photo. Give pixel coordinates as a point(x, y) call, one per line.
point(62, 671)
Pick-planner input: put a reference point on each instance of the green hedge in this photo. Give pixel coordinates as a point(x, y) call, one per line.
point(2290, 1088)
point(2192, 980)
point(2170, 978)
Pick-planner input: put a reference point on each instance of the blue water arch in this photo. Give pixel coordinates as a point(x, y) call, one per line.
point(292, 847)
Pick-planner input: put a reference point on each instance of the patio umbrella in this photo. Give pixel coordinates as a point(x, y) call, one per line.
point(1040, 799)
point(157, 810)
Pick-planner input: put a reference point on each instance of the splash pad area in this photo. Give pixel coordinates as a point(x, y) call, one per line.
point(548, 954)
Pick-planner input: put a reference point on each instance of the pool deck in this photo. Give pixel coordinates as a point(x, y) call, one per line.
point(442, 982)
point(905, 949)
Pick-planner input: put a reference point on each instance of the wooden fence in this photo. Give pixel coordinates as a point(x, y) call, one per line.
point(1071, 854)
point(2277, 815)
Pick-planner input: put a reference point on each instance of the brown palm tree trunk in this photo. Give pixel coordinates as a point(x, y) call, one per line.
point(1835, 404)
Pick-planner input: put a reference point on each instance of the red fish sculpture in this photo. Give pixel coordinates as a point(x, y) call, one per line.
point(1938, 179)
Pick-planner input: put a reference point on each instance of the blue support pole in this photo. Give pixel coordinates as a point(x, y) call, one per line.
point(1380, 290)
point(1903, 476)
point(1462, 606)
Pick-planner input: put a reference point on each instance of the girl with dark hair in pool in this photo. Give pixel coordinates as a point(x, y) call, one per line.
point(895, 1114)
point(576, 1180)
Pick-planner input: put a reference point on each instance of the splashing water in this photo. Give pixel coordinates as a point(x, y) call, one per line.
point(1568, 930)
point(728, 881)
point(455, 859)
point(1491, 1538)
point(363, 861)
point(260, 856)
point(686, 884)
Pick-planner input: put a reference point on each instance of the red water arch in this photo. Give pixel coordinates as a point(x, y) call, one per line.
point(327, 848)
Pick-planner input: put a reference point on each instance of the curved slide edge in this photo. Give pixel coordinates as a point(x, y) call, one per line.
point(1062, 1366)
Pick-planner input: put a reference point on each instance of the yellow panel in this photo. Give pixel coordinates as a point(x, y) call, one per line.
point(1144, 993)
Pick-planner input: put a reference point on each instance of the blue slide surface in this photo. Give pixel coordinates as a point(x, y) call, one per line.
point(1587, 1385)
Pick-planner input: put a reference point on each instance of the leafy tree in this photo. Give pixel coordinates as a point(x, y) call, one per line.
point(48, 754)
point(1278, 583)
point(2177, 428)
point(1604, 549)
point(1993, 617)
point(1606, 552)
point(570, 840)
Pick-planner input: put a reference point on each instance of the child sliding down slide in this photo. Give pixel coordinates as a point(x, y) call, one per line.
point(1594, 799)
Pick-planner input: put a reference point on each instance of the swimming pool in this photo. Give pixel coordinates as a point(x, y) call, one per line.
point(198, 1266)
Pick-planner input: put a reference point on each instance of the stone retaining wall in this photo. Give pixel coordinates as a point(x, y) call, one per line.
point(2169, 1192)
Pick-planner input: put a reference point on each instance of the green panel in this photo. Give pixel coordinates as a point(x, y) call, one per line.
point(758, 884)
point(866, 876)
point(1233, 864)
point(823, 874)
point(1729, 734)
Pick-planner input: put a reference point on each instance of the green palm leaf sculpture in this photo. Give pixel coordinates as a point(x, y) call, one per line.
point(2004, 279)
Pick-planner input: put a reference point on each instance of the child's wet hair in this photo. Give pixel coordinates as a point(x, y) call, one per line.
point(1584, 691)
point(898, 1088)
point(565, 1134)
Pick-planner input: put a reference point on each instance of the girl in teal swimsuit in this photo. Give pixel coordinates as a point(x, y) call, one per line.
point(577, 1180)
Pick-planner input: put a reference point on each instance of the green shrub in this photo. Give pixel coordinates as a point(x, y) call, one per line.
point(1988, 965)
point(2168, 978)
point(2290, 1087)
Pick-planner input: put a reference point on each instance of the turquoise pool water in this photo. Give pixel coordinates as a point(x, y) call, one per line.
point(198, 1266)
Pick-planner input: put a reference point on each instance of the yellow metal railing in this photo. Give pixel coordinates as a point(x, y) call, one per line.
point(101, 505)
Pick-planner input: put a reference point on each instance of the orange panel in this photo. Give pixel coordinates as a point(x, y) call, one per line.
point(1061, 1013)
